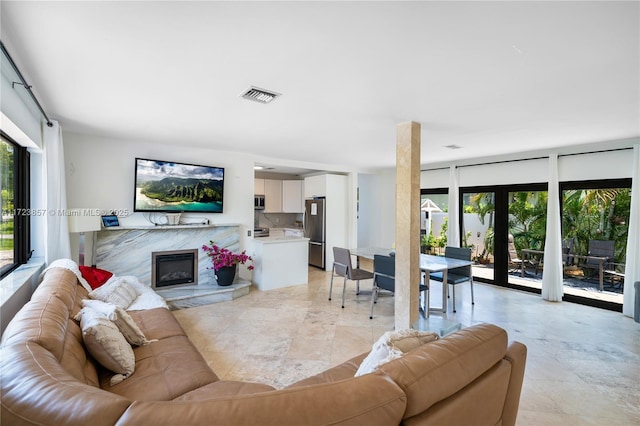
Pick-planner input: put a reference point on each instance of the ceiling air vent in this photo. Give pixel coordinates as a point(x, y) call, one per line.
point(259, 95)
point(453, 146)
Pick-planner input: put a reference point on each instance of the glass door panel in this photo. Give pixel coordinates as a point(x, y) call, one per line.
point(433, 222)
point(526, 237)
point(595, 225)
point(478, 231)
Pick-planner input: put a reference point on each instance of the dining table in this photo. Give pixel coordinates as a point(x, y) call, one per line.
point(432, 263)
point(428, 263)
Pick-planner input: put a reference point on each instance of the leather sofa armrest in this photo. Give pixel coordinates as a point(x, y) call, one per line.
point(340, 372)
point(517, 356)
point(36, 389)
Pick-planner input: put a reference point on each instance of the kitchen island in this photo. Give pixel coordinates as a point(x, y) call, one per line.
point(280, 262)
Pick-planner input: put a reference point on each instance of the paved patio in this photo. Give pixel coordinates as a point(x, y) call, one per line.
point(577, 286)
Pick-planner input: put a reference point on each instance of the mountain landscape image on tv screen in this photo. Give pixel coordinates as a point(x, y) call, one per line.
point(164, 186)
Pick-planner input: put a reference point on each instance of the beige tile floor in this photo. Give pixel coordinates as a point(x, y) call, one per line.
point(583, 365)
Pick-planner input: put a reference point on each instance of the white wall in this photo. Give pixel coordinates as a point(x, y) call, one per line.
point(438, 178)
point(100, 175)
point(376, 223)
point(516, 172)
point(606, 165)
point(19, 111)
point(471, 223)
point(22, 122)
point(369, 212)
point(577, 167)
point(352, 214)
point(377, 214)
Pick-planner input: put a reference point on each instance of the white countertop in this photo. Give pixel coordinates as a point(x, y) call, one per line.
point(272, 240)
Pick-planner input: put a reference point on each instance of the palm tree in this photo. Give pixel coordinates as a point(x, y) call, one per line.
point(528, 219)
point(483, 203)
point(596, 214)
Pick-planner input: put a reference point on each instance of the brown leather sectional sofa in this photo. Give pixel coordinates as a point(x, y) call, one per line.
point(471, 377)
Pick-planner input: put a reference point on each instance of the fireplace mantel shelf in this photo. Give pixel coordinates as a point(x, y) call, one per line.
point(164, 227)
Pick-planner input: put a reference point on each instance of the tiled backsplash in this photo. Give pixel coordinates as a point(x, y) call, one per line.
point(278, 220)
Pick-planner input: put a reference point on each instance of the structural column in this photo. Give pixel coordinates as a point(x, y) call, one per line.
point(407, 224)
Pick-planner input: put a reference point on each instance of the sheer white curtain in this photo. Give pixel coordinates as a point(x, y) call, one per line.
point(632, 264)
point(552, 273)
point(453, 230)
point(57, 228)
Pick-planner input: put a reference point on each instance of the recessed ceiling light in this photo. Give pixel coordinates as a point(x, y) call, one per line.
point(257, 94)
point(453, 146)
point(258, 167)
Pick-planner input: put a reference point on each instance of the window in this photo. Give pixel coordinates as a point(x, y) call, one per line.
point(505, 226)
point(527, 236)
point(496, 219)
point(433, 220)
point(14, 220)
point(478, 231)
point(595, 223)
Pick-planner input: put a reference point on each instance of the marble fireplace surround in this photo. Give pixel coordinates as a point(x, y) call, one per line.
point(128, 251)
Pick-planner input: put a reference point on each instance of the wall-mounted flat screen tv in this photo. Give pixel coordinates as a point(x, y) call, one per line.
point(165, 186)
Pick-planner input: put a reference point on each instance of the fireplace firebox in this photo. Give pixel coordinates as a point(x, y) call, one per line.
point(174, 268)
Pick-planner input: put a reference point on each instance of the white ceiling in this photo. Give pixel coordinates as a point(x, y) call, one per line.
point(492, 77)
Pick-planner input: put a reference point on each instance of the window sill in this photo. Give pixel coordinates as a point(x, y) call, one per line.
point(16, 288)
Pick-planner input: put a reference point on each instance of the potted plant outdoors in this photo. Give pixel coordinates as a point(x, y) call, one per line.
point(224, 262)
point(427, 243)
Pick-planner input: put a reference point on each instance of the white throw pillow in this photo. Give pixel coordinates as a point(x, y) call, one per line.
point(117, 292)
point(392, 345)
point(120, 318)
point(106, 344)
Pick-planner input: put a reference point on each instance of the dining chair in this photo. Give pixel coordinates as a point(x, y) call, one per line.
point(456, 276)
point(384, 278)
point(424, 290)
point(342, 267)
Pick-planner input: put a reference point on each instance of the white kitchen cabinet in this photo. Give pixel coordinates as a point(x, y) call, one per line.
point(280, 262)
point(272, 196)
point(258, 186)
point(292, 196)
point(315, 186)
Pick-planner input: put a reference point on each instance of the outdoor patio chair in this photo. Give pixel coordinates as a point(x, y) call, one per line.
point(515, 263)
point(567, 251)
point(599, 249)
point(616, 273)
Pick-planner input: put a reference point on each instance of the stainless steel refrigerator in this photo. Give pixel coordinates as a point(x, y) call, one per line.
point(314, 229)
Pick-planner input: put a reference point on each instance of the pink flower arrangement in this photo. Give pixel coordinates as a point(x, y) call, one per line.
point(221, 257)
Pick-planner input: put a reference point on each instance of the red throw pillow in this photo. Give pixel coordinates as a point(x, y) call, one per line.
point(94, 276)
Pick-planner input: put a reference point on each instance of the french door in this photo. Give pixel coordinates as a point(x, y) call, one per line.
point(494, 220)
point(505, 226)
